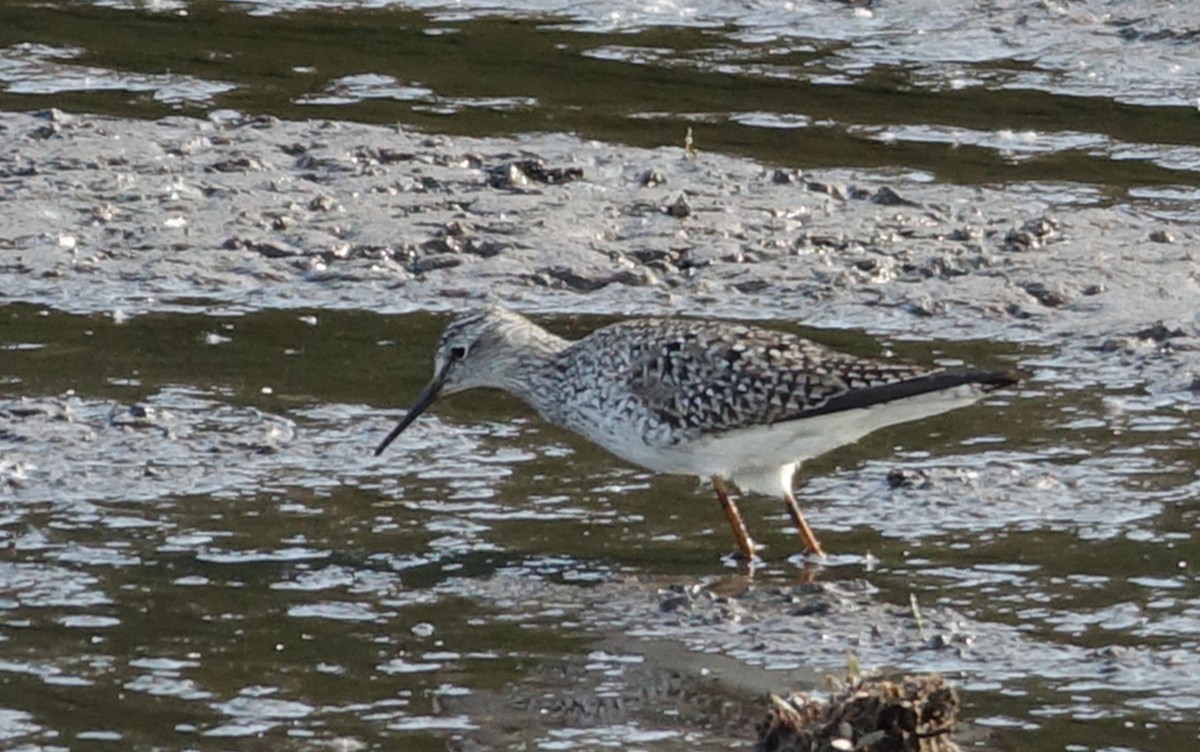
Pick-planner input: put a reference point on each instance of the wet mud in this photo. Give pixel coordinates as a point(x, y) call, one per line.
point(207, 322)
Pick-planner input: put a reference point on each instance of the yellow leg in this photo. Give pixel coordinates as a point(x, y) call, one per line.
point(740, 535)
point(806, 533)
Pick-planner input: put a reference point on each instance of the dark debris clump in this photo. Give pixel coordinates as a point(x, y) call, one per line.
point(521, 172)
point(870, 715)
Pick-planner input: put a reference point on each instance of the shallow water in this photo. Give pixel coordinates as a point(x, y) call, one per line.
point(202, 549)
point(1094, 93)
point(198, 549)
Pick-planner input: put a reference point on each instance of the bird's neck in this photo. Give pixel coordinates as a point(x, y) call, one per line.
point(530, 373)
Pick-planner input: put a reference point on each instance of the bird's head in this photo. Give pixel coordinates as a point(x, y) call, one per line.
point(478, 349)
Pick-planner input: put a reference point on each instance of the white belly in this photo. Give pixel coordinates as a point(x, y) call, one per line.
point(764, 458)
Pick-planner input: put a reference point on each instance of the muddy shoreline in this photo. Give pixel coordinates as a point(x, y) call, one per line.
point(126, 218)
point(133, 215)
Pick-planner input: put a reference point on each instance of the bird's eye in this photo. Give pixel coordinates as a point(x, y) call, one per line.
point(458, 352)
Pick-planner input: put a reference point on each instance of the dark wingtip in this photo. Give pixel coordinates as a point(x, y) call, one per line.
point(993, 380)
point(936, 381)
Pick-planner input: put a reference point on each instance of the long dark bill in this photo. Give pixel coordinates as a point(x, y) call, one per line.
point(425, 399)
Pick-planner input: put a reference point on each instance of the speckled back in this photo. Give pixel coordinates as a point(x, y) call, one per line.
point(700, 377)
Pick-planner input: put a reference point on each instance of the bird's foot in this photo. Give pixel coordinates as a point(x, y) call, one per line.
point(746, 562)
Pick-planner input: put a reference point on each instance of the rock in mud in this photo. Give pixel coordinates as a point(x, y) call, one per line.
point(522, 172)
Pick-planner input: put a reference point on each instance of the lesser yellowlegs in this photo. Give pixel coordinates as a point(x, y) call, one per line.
point(683, 396)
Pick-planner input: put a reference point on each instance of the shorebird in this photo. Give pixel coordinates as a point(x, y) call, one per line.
point(711, 399)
